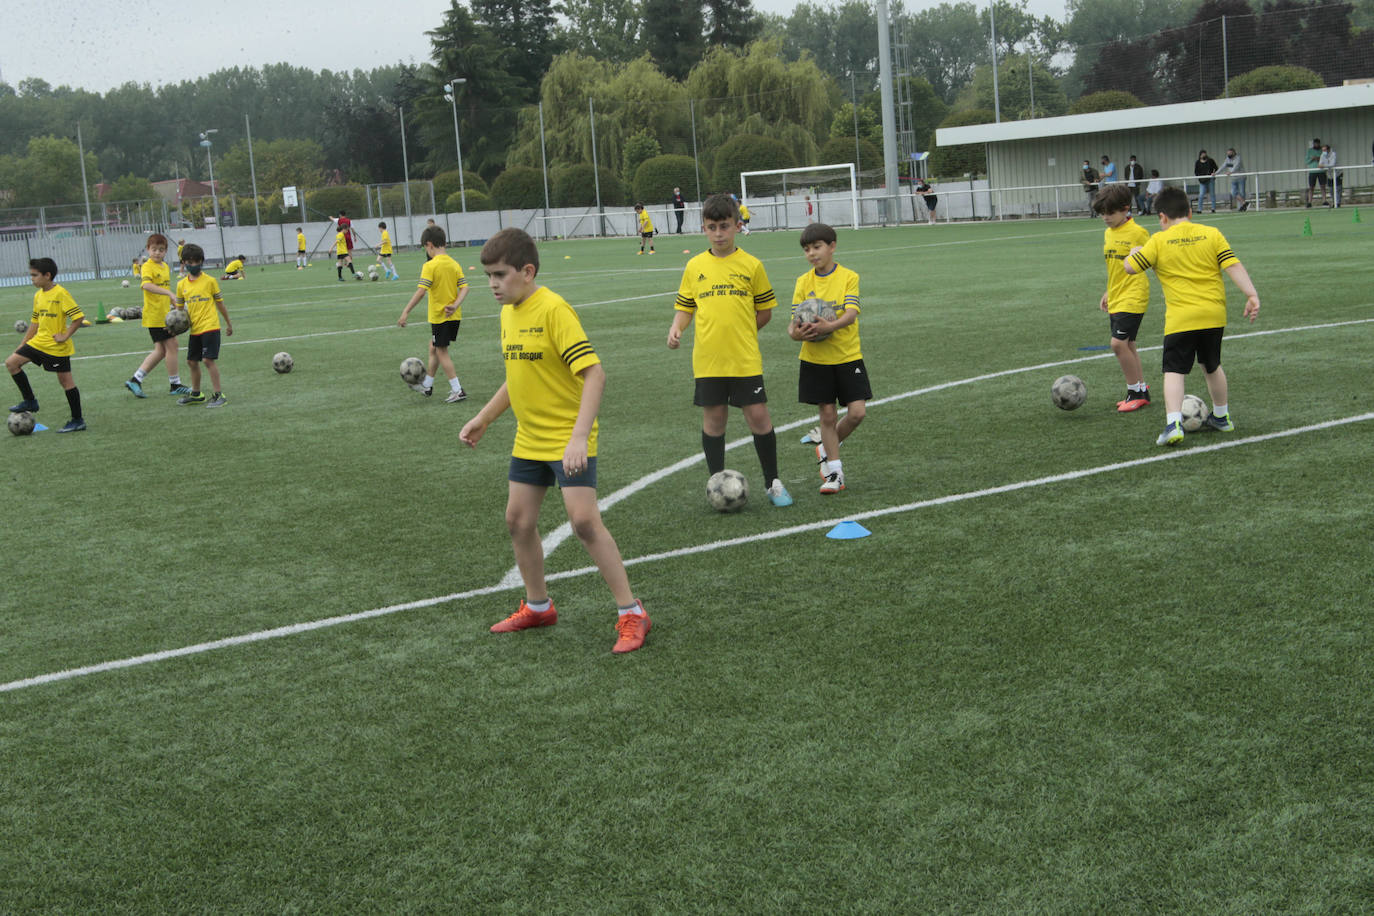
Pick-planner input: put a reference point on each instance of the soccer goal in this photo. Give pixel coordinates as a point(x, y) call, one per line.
point(795, 197)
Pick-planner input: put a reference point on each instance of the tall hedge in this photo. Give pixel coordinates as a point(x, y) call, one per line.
point(331, 200)
point(1263, 80)
point(446, 183)
point(955, 161)
point(519, 188)
point(575, 186)
point(476, 201)
point(748, 153)
point(841, 149)
point(1106, 100)
point(655, 178)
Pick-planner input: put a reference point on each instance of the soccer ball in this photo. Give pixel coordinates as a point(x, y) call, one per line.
point(727, 491)
point(283, 363)
point(372, 273)
point(1068, 392)
point(412, 371)
point(177, 321)
point(1195, 413)
point(357, 274)
point(21, 327)
point(21, 423)
point(808, 311)
point(124, 283)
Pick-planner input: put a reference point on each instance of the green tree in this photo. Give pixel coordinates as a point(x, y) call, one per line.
point(747, 153)
point(446, 183)
point(1107, 100)
point(673, 35)
point(607, 30)
point(655, 178)
point(130, 187)
point(519, 187)
point(525, 32)
point(1014, 82)
point(842, 149)
point(640, 146)
point(278, 163)
point(841, 38)
point(947, 41)
point(576, 186)
point(964, 158)
point(731, 23)
point(1274, 79)
point(49, 172)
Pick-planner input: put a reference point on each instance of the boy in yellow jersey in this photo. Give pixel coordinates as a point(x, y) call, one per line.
point(727, 291)
point(234, 269)
point(1189, 259)
point(832, 369)
point(181, 268)
point(743, 215)
point(1127, 295)
point(442, 279)
point(646, 228)
point(199, 294)
point(158, 299)
point(301, 260)
point(384, 253)
point(342, 257)
point(48, 342)
point(554, 382)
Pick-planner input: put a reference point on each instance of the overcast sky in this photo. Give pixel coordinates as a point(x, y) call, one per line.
point(100, 44)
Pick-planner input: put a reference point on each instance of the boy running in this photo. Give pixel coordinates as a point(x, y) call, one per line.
point(384, 253)
point(48, 342)
point(442, 279)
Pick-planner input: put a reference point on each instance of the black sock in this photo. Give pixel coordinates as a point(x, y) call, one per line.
point(339, 271)
point(74, 400)
point(25, 389)
point(767, 447)
point(714, 447)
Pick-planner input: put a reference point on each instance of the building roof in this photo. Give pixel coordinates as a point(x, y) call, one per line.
point(1252, 106)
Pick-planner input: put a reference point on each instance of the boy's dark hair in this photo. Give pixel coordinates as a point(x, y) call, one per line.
point(1173, 203)
point(434, 236)
point(817, 232)
point(343, 212)
point(639, 206)
point(243, 257)
point(44, 266)
point(193, 252)
point(298, 229)
point(1154, 173)
point(381, 225)
point(512, 247)
point(719, 207)
point(157, 238)
point(1112, 199)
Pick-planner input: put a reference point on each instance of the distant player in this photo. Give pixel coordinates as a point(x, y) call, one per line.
point(726, 290)
point(646, 228)
point(234, 269)
point(554, 381)
point(48, 342)
point(1189, 259)
point(1127, 295)
point(384, 253)
point(743, 216)
point(301, 261)
point(443, 281)
point(199, 294)
point(342, 258)
point(181, 268)
point(931, 200)
point(158, 299)
point(832, 370)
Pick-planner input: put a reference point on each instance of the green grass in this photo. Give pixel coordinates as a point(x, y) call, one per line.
point(1140, 690)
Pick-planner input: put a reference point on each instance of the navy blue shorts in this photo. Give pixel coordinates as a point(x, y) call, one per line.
point(548, 473)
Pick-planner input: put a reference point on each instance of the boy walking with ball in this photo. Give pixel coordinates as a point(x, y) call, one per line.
point(727, 291)
point(554, 382)
point(832, 366)
point(158, 300)
point(48, 342)
point(199, 294)
point(442, 279)
point(1128, 295)
point(1189, 259)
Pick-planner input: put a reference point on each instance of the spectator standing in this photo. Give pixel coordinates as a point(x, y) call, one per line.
point(1108, 169)
point(1328, 164)
point(1232, 167)
point(1315, 175)
point(1204, 169)
point(1089, 182)
point(679, 207)
point(1152, 190)
point(1135, 183)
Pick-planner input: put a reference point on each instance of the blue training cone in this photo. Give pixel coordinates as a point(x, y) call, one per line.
point(39, 427)
point(848, 531)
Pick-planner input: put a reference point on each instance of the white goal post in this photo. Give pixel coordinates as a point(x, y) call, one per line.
point(816, 170)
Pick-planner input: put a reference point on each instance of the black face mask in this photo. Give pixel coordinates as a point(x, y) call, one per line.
point(194, 269)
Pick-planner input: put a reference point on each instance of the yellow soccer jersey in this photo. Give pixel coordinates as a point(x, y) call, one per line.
point(545, 351)
point(840, 288)
point(442, 276)
point(646, 223)
point(723, 294)
point(386, 242)
point(743, 212)
point(53, 310)
point(155, 306)
point(340, 243)
point(179, 247)
point(1188, 258)
point(198, 296)
point(1125, 292)
point(233, 266)
point(300, 242)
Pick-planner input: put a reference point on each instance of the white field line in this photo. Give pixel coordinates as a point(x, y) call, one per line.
point(293, 629)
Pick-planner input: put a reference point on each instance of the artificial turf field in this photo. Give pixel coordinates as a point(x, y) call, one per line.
point(1069, 671)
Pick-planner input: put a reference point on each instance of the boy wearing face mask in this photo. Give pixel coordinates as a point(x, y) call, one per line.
point(199, 294)
point(1089, 181)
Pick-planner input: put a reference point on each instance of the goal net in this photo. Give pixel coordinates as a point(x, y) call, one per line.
point(791, 198)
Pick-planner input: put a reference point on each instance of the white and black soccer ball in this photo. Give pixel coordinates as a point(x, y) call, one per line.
point(811, 309)
point(727, 491)
point(412, 371)
point(372, 272)
point(1068, 392)
point(177, 321)
point(357, 274)
point(1195, 413)
point(21, 327)
point(124, 284)
point(20, 423)
point(283, 362)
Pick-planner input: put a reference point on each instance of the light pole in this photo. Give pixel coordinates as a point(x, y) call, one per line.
point(214, 193)
point(451, 96)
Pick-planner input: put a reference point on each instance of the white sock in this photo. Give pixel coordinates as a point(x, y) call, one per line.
point(635, 608)
point(836, 466)
point(539, 607)
point(428, 382)
point(454, 384)
point(1174, 417)
point(1219, 410)
point(174, 379)
point(139, 374)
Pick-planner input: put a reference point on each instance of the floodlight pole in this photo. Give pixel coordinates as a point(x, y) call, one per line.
point(253, 174)
point(889, 128)
point(992, 46)
point(86, 191)
point(214, 192)
point(451, 94)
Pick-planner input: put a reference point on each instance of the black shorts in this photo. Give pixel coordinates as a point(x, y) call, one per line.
point(1125, 325)
point(1316, 178)
point(342, 257)
point(646, 235)
point(931, 200)
point(443, 334)
point(737, 391)
point(160, 334)
point(203, 346)
point(49, 362)
point(547, 473)
point(842, 383)
point(1182, 348)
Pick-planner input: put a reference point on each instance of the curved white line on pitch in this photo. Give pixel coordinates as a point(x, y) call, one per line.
point(292, 629)
point(557, 536)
